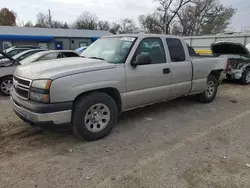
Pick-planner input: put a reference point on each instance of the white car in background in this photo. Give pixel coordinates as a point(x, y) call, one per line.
point(8, 67)
point(20, 56)
point(81, 49)
point(14, 50)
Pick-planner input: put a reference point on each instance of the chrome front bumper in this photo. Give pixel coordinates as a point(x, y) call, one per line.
point(61, 117)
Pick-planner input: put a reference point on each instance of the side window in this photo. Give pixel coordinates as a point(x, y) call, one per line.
point(152, 47)
point(70, 54)
point(176, 50)
point(49, 56)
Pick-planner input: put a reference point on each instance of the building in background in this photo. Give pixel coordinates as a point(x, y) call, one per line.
point(202, 44)
point(49, 38)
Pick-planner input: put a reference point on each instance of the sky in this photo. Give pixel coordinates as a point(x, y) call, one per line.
point(112, 10)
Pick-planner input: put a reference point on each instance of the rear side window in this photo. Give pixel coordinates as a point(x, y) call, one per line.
point(176, 50)
point(70, 54)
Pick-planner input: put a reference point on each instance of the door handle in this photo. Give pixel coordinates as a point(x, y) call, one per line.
point(166, 71)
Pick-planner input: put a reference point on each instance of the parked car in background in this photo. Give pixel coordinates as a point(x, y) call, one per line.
point(81, 49)
point(115, 74)
point(19, 57)
point(7, 69)
point(14, 50)
point(238, 59)
point(49, 55)
point(28, 46)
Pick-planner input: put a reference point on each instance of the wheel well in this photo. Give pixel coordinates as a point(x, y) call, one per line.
point(216, 73)
point(112, 92)
point(248, 67)
point(6, 76)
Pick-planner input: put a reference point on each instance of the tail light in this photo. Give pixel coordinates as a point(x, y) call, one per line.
point(228, 66)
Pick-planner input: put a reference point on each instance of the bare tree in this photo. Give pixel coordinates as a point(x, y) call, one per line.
point(103, 25)
point(86, 20)
point(28, 24)
point(7, 17)
point(151, 23)
point(115, 27)
point(204, 17)
point(42, 20)
point(65, 25)
point(168, 10)
point(218, 20)
point(127, 25)
point(46, 21)
point(58, 24)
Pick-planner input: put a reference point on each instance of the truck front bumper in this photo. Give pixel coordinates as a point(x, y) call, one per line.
point(41, 114)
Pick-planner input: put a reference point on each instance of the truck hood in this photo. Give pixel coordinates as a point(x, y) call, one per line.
point(53, 69)
point(226, 47)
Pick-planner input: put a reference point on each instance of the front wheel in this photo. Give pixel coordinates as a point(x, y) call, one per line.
point(94, 116)
point(5, 85)
point(210, 91)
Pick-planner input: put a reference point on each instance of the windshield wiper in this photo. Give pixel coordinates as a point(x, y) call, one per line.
point(96, 58)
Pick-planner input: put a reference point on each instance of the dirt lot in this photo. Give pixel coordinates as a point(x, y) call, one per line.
point(177, 144)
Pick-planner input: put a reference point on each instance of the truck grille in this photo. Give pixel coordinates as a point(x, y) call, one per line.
point(22, 87)
point(22, 81)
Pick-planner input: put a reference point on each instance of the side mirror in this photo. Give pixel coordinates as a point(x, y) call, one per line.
point(141, 59)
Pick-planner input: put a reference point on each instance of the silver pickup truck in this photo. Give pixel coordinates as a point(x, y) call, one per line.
point(114, 74)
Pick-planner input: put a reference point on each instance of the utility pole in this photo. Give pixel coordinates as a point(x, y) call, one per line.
point(49, 19)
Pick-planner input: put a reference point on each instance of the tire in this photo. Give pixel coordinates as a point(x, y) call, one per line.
point(89, 114)
point(211, 90)
point(5, 85)
point(245, 79)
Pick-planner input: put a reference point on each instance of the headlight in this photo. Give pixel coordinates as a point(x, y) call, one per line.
point(41, 84)
point(40, 90)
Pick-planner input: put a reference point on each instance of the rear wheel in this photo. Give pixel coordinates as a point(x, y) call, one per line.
point(5, 85)
point(245, 79)
point(211, 90)
point(94, 116)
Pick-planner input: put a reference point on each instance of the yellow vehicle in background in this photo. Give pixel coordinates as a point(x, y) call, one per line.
point(203, 52)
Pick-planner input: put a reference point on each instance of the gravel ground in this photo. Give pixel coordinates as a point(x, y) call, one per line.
point(177, 144)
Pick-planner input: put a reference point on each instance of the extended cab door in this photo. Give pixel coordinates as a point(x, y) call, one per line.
point(181, 67)
point(148, 83)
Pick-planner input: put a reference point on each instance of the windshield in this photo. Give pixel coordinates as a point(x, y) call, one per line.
point(9, 49)
point(113, 50)
point(15, 52)
point(19, 55)
point(31, 58)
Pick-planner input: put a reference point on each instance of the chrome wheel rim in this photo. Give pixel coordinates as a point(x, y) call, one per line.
point(6, 86)
point(97, 117)
point(210, 89)
point(248, 77)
